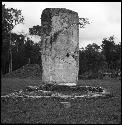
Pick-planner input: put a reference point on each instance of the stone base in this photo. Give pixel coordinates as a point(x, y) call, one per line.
point(68, 84)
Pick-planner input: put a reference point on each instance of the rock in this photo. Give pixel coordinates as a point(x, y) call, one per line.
point(68, 84)
point(60, 45)
point(31, 88)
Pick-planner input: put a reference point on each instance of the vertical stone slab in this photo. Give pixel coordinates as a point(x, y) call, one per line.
point(60, 45)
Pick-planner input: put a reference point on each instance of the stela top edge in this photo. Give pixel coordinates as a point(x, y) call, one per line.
point(55, 11)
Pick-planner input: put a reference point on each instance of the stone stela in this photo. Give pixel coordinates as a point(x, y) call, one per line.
point(60, 45)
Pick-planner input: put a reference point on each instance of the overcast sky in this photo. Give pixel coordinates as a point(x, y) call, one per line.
point(105, 18)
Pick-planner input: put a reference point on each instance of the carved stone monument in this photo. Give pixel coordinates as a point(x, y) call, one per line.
point(60, 45)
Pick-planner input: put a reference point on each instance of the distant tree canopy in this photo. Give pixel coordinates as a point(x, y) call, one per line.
point(105, 58)
point(23, 52)
point(90, 58)
point(112, 52)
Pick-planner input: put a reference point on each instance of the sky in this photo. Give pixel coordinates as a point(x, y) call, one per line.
point(105, 18)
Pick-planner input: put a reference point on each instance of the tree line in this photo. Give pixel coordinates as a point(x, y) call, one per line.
point(23, 52)
point(16, 50)
point(97, 59)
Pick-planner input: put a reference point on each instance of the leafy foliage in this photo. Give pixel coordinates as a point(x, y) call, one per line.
point(36, 30)
point(10, 18)
point(95, 59)
point(90, 59)
point(83, 22)
point(21, 51)
point(112, 52)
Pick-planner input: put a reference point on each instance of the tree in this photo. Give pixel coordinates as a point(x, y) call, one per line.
point(95, 58)
point(10, 18)
point(93, 47)
point(111, 52)
point(4, 56)
point(83, 22)
point(35, 54)
point(118, 56)
point(18, 48)
point(28, 49)
point(36, 30)
point(17, 40)
point(90, 59)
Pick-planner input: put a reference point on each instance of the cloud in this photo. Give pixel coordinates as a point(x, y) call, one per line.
point(21, 29)
point(107, 22)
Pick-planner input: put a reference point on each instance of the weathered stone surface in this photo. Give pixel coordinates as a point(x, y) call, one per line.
point(60, 45)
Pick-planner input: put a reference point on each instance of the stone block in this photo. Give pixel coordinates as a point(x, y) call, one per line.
point(60, 45)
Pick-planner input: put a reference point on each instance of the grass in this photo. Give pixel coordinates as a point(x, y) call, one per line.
point(82, 111)
point(28, 71)
point(9, 85)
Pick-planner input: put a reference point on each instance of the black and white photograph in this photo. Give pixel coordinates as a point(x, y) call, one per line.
point(61, 63)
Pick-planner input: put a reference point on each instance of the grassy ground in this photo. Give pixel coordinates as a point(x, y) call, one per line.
point(82, 111)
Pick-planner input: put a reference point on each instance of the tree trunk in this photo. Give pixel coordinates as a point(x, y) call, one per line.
point(17, 47)
point(10, 52)
point(29, 61)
